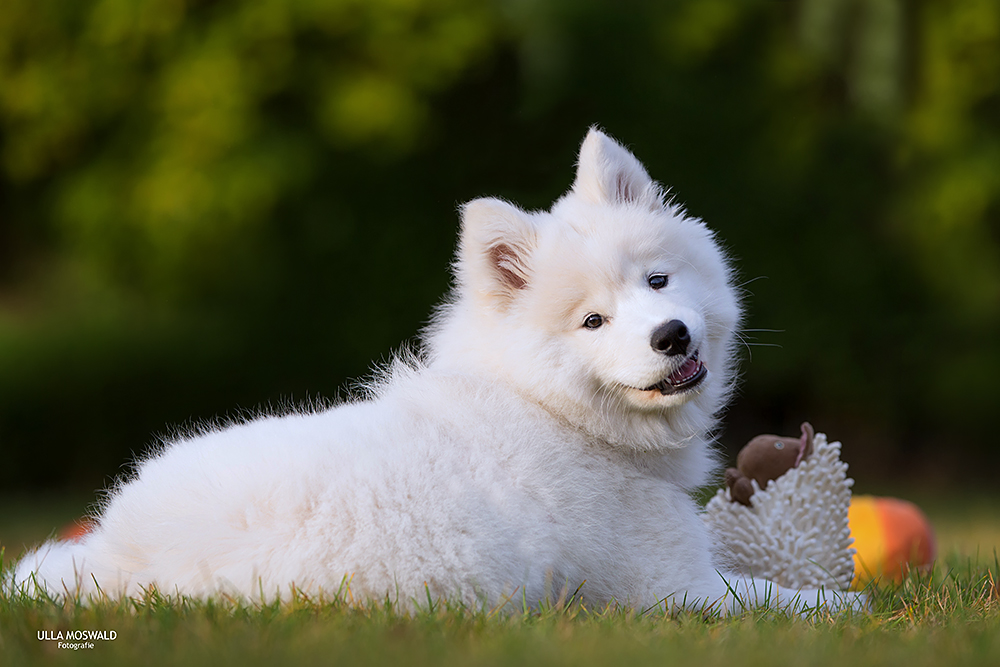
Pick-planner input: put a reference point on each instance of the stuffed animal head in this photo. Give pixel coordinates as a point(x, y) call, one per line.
point(765, 458)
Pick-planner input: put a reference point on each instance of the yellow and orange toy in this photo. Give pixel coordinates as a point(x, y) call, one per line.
point(891, 536)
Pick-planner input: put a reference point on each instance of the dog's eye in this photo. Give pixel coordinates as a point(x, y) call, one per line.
point(657, 280)
point(593, 321)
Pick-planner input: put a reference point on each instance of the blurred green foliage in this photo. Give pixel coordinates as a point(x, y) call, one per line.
point(214, 204)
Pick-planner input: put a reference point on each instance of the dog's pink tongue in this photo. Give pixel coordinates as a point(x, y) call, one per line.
point(686, 371)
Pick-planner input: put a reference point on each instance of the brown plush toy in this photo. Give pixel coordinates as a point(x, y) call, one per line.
point(764, 458)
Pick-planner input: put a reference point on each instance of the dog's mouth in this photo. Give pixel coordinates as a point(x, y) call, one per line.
point(688, 376)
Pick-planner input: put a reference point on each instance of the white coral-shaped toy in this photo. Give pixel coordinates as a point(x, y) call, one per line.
point(795, 531)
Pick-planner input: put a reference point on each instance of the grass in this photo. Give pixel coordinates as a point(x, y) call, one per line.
point(950, 616)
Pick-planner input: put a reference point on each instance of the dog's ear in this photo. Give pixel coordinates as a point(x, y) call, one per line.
point(608, 174)
point(495, 249)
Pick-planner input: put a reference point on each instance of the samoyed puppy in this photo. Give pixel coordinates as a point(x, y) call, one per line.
point(545, 436)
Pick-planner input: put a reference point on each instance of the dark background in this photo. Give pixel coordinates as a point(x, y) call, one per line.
point(211, 206)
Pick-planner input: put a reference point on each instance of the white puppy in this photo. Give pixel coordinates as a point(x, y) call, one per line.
point(547, 437)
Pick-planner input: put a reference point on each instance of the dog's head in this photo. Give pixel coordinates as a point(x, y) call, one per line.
point(614, 309)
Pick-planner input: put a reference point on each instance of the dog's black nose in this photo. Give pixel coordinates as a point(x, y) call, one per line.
point(671, 338)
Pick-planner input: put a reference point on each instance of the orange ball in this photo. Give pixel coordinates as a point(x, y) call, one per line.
point(891, 537)
point(76, 531)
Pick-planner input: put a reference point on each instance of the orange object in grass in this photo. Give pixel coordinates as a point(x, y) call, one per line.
point(74, 532)
point(891, 536)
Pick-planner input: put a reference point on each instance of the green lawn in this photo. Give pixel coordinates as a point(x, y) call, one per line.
point(950, 617)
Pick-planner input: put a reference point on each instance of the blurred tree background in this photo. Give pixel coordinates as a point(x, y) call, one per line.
point(213, 205)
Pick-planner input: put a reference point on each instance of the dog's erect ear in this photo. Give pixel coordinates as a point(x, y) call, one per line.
point(608, 174)
point(495, 249)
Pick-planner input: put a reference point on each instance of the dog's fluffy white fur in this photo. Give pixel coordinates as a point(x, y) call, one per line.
point(520, 453)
